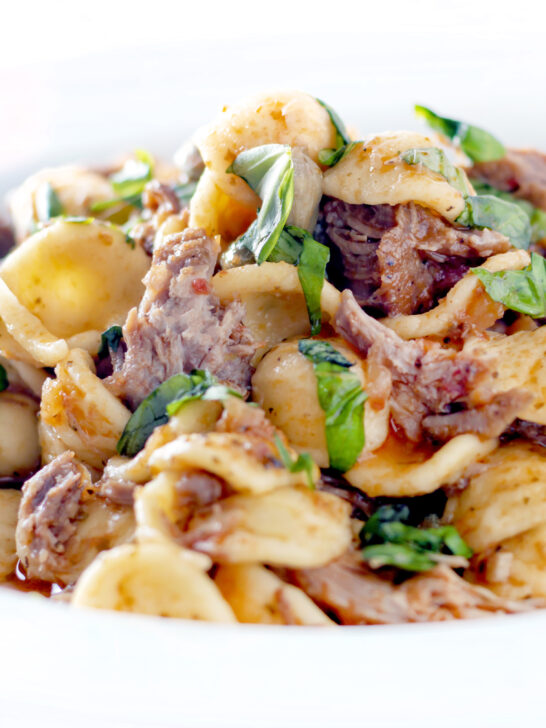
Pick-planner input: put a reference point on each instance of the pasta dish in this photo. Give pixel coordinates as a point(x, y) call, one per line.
point(296, 376)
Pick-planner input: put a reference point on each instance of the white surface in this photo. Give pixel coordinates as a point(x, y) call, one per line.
point(85, 81)
point(90, 669)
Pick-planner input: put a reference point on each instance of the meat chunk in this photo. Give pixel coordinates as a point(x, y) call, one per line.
point(488, 419)
point(62, 524)
point(520, 171)
point(525, 430)
point(180, 325)
point(399, 260)
point(47, 516)
point(356, 595)
point(421, 378)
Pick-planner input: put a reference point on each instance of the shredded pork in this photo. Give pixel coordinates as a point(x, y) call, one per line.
point(521, 172)
point(401, 259)
point(180, 325)
point(356, 595)
point(423, 380)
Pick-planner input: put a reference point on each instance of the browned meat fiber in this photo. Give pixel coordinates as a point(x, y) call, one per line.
point(180, 325)
point(402, 259)
point(425, 381)
point(356, 595)
point(520, 171)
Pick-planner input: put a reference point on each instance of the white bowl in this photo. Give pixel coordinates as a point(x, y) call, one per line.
point(60, 666)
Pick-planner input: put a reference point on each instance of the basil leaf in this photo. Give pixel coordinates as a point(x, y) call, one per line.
point(329, 157)
point(48, 204)
point(322, 352)
point(521, 290)
point(389, 541)
point(479, 145)
point(437, 161)
point(129, 182)
point(269, 171)
point(342, 400)
point(3, 378)
point(537, 217)
point(402, 556)
point(165, 401)
point(185, 192)
point(133, 176)
point(342, 137)
point(110, 340)
point(303, 462)
point(487, 211)
point(295, 245)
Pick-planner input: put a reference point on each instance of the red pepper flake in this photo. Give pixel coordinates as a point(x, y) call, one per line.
point(200, 285)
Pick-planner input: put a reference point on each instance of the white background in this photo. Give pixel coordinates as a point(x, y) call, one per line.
point(84, 80)
point(88, 80)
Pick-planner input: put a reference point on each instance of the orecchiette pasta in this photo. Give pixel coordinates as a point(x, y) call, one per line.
point(374, 174)
point(257, 596)
point(9, 507)
point(77, 188)
point(79, 413)
point(58, 274)
point(151, 578)
point(293, 380)
point(288, 526)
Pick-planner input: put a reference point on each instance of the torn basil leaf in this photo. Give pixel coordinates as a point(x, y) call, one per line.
point(341, 398)
point(479, 145)
point(4, 383)
point(487, 211)
point(303, 462)
point(297, 247)
point(185, 192)
point(129, 182)
point(48, 204)
point(437, 161)
point(537, 217)
point(388, 540)
point(520, 290)
point(269, 171)
point(329, 157)
point(110, 340)
point(342, 137)
point(166, 401)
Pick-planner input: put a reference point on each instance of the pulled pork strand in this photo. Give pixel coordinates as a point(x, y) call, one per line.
point(424, 381)
point(401, 259)
point(521, 172)
point(356, 595)
point(180, 324)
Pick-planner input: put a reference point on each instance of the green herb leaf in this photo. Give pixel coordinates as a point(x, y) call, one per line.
point(342, 400)
point(342, 137)
point(270, 173)
point(166, 401)
point(389, 541)
point(110, 340)
point(48, 204)
point(185, 192)
point(129, 182)
point(537, 217)
point(322, 352)
point(3, 378)
point(478, 144)
point(487, 211)
point(436, 160)
point(329, 157)
point(303, 462)
point(295, 245)
point(521, 290)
